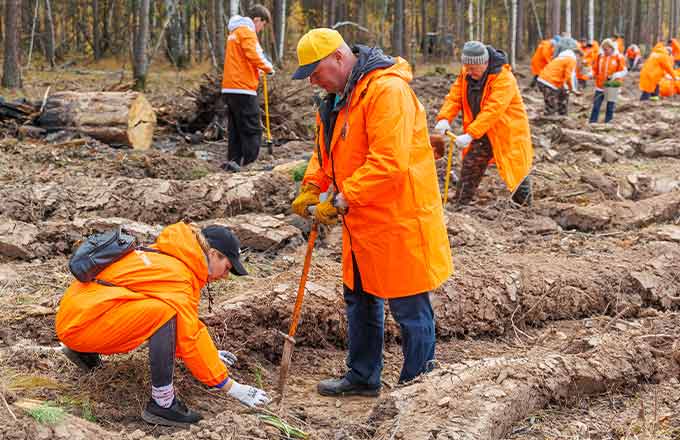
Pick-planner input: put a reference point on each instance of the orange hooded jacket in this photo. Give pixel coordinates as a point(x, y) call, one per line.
point(668, 87)
point(150, 289)
point(633, 52)
point(675, 48)
point(381, 160)
point(559, 71)
point(542, 56)
point(605, 67)
point(243, 58)
point(654, 68)
point(502, 117)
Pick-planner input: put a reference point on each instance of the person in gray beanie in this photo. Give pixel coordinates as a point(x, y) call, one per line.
point(495, 123)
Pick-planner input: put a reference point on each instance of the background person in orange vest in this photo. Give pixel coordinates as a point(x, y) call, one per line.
point(584, 68)
point(374, 151)
point(542, 56)
point(659, 63)
point(495, 123)
point(634, 57)
point(620, 43)
point(154, 297)
point(243, 59)
point(558, 79)
point(674, 44)
point(609, 66)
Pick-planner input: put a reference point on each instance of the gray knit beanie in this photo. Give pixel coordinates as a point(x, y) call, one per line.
point(474, 52)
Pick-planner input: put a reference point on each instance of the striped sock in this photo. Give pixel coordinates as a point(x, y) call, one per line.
point(163, 396)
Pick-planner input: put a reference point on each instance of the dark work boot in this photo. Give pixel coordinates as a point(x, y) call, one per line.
point(85, 361)
point(176, 415)
point(343, 387)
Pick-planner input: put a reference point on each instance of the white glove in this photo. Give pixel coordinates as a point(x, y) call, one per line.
point(463, 140)
point(247, 395)
point(227, 357)
point(442, 126)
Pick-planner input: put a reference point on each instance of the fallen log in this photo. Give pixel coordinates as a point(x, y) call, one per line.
point(111, 117)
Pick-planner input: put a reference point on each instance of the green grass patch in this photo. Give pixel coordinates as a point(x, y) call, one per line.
point(47, 414)
point(286, 429)
point(298, 172)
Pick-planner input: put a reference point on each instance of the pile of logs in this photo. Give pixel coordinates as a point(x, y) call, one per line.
point(115, 118)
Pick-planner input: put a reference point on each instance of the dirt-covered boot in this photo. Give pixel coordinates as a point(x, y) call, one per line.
point(85, 361)
point(176, 415)
point(343, 387)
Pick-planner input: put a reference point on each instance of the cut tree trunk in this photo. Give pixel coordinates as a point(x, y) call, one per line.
point(112, 117)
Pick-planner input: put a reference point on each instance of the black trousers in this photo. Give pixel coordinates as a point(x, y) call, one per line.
point(245, 129)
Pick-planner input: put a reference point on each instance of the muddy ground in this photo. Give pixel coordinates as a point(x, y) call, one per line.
point(561, 321)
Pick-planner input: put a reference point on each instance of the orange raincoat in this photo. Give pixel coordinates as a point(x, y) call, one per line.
point(559, 71)
point(502, 117)
point(654, 68)
point(382, 161)
point(542, 56)
point(668, 87)
point(675, 48)
point(606, 66)
point(150, 289)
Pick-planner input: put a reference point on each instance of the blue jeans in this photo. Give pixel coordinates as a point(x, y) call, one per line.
point(597, 103)
point(365, 322)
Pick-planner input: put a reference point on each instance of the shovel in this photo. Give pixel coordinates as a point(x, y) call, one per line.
point(269, 143)
point(438, 143)
point(289, 338)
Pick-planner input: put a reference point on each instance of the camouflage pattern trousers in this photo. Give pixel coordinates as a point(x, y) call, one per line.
point(556, 100)
point(474, 166)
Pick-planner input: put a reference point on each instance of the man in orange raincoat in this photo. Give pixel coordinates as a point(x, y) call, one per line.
point(153, 296)
point(653, 70)
point(495, 123)
point(674, 44)
point(373, 151)
point(634, 57)
point(243, 61)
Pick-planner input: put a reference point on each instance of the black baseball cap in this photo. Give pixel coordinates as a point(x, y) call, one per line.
point(226, 242)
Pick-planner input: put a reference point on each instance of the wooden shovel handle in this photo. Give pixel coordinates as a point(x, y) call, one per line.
point(303, 279)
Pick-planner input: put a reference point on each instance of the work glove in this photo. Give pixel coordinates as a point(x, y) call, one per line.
point(442, 126)
point(247, 395)
point(463, 140)
point(227, 357)
point(309, 196)
point(325, 213)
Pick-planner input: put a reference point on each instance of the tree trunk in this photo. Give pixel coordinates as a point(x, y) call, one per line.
point(630, 35)
point(591, 20)
point(513, 40)
point(332, 8)
point(471, 16)
point(49, 30)
point(114, 118)
point(96, 35)
point(280, 29)
point(556, 16)
point(233, 7)
point(567, 17)
point(659, 15)
point(460, 23)
point(11, 73)
point(140, 62)
point(398, 28)
point(519, 39)
point(175, 37)
point(219, 41)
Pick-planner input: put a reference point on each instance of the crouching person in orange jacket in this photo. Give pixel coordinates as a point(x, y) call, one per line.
point(495, 122)
point(372, 148)
point(154, 296)
point(558, 79)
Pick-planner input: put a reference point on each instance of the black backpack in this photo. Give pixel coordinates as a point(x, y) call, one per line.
point(99, 251)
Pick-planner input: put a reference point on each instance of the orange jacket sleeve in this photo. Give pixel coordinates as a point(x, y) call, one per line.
point(667, 65)
point(194, 344)
point(393, 106)
point(569, 67)
point(253, 51)
point(547, 53)
point(453, 102)
point(500, 95)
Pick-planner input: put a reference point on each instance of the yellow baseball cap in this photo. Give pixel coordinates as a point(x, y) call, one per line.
point(313, 47)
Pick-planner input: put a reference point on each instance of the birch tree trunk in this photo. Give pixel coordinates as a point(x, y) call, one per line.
point(140, 60)
point(513, 42)
point(233, 7)
point(11, 72)
point(567, 17)
point(591, 20)
point(280, 29)
point(471, 14)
